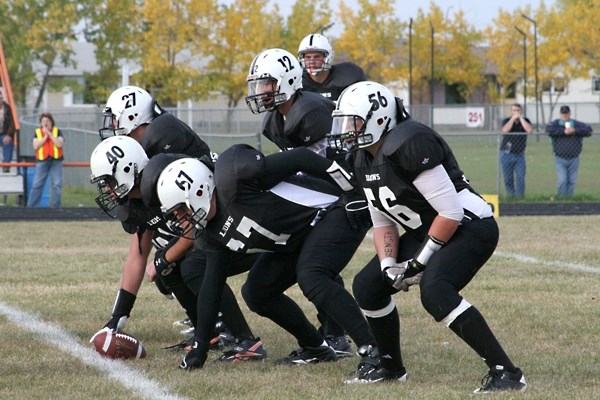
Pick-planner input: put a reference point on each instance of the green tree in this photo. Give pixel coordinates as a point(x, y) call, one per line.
point(109, 26)
point(42, 32)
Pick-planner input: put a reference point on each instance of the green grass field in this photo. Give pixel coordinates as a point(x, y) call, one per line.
point(540, 294)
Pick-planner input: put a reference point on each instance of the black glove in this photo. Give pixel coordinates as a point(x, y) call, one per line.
point(162, 266)
point(403, 275)
point(357, 210)
point(196, 357)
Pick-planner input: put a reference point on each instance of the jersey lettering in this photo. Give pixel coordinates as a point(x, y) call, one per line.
point(247, 226)
point(398, 212)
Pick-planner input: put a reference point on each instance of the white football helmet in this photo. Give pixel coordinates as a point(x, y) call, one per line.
point(186, 182)
point(274, 76)
point(127, 108)
point(316, 43)
point(365, 111)
point(116, 164)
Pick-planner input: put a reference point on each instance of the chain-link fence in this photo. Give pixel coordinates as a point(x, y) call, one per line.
point(477, 149)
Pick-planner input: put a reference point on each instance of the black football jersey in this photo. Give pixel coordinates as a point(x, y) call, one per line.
point(168, 134)
point(307, 122)
point(340, 77)
point(136, 217)
point(409, 149)
point(252, 218)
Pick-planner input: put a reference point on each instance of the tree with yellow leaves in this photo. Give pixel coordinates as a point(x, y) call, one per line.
point(172, 48)
point(241, 31)
point(307, 16)
point(47, 34)
point(371, 38)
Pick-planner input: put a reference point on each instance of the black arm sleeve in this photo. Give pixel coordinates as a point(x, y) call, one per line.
point(280, 165)
point(209, 295)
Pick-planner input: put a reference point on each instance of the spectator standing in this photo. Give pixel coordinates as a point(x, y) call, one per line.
point(7, 132)
point(567, 134)
point(48, 145)
point(512, 151)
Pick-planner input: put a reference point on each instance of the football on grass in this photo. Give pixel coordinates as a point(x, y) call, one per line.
point(118, 345)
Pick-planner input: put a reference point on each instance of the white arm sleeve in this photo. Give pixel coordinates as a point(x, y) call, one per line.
point(437, 188)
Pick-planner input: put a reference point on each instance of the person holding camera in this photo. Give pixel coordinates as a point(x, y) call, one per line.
point(512, 151)
point(567, 142)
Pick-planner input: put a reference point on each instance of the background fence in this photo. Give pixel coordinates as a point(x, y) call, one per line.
point(476, 149)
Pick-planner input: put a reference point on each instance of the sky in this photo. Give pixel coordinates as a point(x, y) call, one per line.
point(479, 13)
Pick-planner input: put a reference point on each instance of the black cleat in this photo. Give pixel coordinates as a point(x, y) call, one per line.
point(247, 350)
point(309, 355)
point(341, 345)
point(499, 380)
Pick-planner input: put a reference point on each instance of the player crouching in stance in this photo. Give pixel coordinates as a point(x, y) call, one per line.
point(117, 165)
point(252, 203)
point(411, 178)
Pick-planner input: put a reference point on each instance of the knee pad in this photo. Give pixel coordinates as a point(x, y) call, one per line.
point(439, 298)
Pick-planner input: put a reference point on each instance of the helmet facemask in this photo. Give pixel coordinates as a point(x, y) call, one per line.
point(183, 220)
point(109, 125)
point(264, 95)
point(348, 133)
point(307, 64)
point(111, 192)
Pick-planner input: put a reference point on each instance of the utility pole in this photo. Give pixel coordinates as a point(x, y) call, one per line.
point(524, 69)
point(535, 68)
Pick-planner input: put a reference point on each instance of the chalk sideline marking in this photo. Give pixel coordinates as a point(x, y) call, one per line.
point(116, 370)
point(534, 260)
point(558, 264)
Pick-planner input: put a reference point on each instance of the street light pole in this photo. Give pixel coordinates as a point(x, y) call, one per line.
point(431, 77)
point(535, 68)
point(410, 77)
point(524, 69)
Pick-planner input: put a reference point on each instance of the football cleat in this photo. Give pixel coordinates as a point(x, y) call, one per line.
point(369, 359)
point(341, 345)
point(247, 350)
point(499, 380)
point(377, 375)
point(309, 355)
point(222, 340)
point(183, 322)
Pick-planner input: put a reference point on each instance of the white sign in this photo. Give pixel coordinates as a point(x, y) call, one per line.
point(475, 117)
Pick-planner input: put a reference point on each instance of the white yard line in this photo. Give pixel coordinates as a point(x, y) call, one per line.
point(559, 264)
point(534, 260)
point(119, 371)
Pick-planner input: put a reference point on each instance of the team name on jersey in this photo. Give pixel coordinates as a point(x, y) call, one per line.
point(154, 221)
point(226, 226)
point(372, 177)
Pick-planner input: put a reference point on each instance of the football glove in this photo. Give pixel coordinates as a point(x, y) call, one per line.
point(196, 357)
point(357, 210)
point(403, 275)
point(162, 266)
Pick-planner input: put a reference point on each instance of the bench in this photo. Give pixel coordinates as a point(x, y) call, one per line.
point(11, 183)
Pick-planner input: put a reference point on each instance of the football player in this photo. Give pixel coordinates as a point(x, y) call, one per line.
point(131, 111)
point(294, 118)
point(320, 74)
point(252, 203)
point(412, 179)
